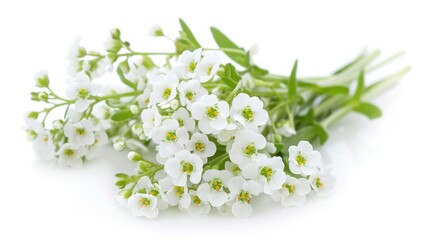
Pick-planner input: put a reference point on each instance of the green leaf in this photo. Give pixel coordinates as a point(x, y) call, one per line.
point(189, 33)
point(348, 65)
point(258, 72)
point(292, 85)
point(121, 183)
point(121, 175)
point(361, 86)
point(230, 75)
point(321, 133)
point(368, 109)
point(306, 133)
point(124, 79)
point(123, 115)
point(240, 57)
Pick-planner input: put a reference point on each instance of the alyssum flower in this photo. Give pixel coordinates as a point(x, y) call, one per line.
point(203, 132)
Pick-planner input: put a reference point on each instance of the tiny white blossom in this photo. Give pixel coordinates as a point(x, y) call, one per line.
point(145, 185)
point(200, 145)
point(242, 192)
point(155, 31)
point(170, 136)
point(207, 67)
point(151, 119)
point(80, 133)
point(267, 171)
point(213, 190)
point(71, 156)
point(197, 206)
point(95, 149)
point(81, 89)
point(165, 90)
point(322, 182)
point(210, 113)
point(287, 130)
point(143, 205)
point(182, 116)
point(184, 164)
point(303, 159)
point(190, 91)
point(175, 195)
point(249, 111)
point(246, 147)
point(43, 147)
point(188, 62)
point(144, 98)
point(233, 168)
point(293, 192)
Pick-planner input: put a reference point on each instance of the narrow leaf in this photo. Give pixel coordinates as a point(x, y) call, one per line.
point(189, 33)
point(368, 109)
point(223, 41)
point(361, 86)
point(122, 115)
point(292, 85)
point(124, 79)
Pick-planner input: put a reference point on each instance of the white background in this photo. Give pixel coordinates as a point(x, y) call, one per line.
point(381, 165)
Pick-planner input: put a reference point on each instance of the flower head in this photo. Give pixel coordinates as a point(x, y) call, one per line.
point(165, 90)
point(210, 113)
point(303, 159)
point(246, 147)
point(249, 111)
point(213, 190)
point(188, 62)
point(82, 89)
point(170, 136)
point(182, 165)
point(293, 192)
point(190, 92)
point(267, 171)
point(80, 133)
point(242, 192)
point(71, 156)
point(207, 67)
point(200, 145)
point(143, 205)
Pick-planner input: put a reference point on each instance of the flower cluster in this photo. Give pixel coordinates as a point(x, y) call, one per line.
point(220, 136)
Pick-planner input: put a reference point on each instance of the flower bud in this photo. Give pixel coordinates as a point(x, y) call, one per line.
point(156, 31)
point(119, 145)
point(43, 96)
point(112, 56)
point(174, 104)
point(81, 52)
point(115, 33)
point(127, 194)
point(137, 129)
point(134, 156)
point(134, 109)
point(144, 166)
point(33, 115)
point(42, 79)
point(58, 124)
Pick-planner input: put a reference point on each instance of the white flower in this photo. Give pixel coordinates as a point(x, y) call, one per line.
point(144, 98)
point(137, 74)
point(76, 50)
point(43, 147)
point(146, 186)
point(247, 81)
point(249, 111)
point(322, 182)
point(95, 150)
point(80, 133)
point(151, 119)
point(213, 190)
point(233, 168)
point(190, 91)
point(267, 171)
point(200, 145)
point(303, 159)
point(155, 31)
point(170, 136)
point(71, 156)
point(207, 67)
point(246, 147)
point(287, 130)
point(182, 116)
point(143, 205)
point(210, 113)
point(165, 90)
point(293, 192)
point(242, 192)
point(184, 164)
point(197, 206)
point(175, 194)
point(188, 62)
point(81, 89)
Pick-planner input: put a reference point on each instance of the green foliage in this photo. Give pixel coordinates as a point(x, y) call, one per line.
point(240, 56)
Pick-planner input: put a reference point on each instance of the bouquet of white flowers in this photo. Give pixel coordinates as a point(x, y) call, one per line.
point(223, 132)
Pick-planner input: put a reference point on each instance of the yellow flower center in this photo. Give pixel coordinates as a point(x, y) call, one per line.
point(80, 131)
point(196, 200)
point(187, 167)
point(144, 202)
point(289, 187)
point(69, 152)
point(192, 65)
point(247, 113)
point(216, 184)
point(249, 150)
point(171, 136)
point(167, 92)
point(300, 160)
point(154, 192)
point(190, 95)
point(212, 112)
point(318, 183)
point(267, 172)
point(244, 197)
point(199, 146)
point(83, 93)
point(179, 190)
